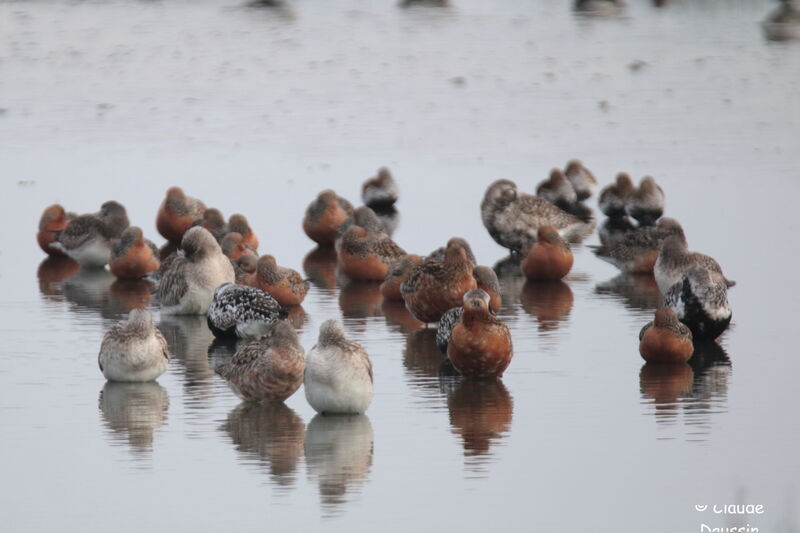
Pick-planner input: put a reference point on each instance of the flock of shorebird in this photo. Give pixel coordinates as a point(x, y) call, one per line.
point(210, 266)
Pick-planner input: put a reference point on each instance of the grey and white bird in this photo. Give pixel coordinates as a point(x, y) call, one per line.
point(700, 303)
point(514, 218)
point(675, 259)
point(242, 311)
point(338, 377)
point(134, 349)
point(88, 239)
point(380, 191)
point(187, 285)
point(268, 369)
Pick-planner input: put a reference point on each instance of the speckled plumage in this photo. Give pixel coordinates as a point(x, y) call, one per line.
point(338, 376)
point(700, 303)
point(445, 329)
point(133, 350)
point(513, 218)
point(433, 287)
point(287, 286)
point(367, 255)
point(242, 311)
point(268, 369)
point(187, 285)
point(675, 259)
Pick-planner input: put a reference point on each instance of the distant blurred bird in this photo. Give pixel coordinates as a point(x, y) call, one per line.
point(380, 191)
point(557, 190)
point(783, 24)
point(614, 197)
point(582, 180)
point(646, 203)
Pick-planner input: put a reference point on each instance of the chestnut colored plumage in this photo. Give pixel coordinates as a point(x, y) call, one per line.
point(324, 216)
point(549, 259)
point(133, 256)
point(666, 339)
point(238, 223)
point(54, 220)
point(365, 255)
point(480, 345)
point(433, 287)
point(234, 246)
point(177, 214)
point(283, 284)
point(398, 272)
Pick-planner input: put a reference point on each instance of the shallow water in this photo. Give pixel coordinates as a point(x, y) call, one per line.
point(255, 111)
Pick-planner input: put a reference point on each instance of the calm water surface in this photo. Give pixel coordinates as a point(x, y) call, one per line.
point(255, 111)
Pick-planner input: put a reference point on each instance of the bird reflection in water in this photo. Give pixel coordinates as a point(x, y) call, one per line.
point(338, 452)
point(133, 411)
point(89, 290)
point(636, 291)
point(550, 302)
point(398, 317)
point(132, 293)
point(320, 267)
point(188, 337)
point(423, 360)
point(52, 272)
point(511, 281)
point(361, 299)
point(270, 435)
point(480, 413)
point(698, 390)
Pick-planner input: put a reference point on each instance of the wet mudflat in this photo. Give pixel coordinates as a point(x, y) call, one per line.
point(255, 111)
